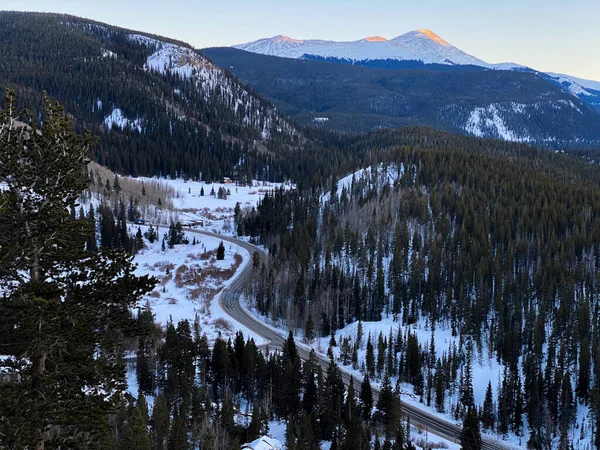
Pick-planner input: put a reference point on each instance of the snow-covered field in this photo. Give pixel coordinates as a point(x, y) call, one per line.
point(208, 211)
point(191, 281)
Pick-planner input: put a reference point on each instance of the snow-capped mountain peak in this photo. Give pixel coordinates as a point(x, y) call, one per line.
point(375, 39)
point(434, 37)
point(418, 45)
point(422, 45)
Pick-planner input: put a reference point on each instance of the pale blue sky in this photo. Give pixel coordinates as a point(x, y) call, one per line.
point(550, 35)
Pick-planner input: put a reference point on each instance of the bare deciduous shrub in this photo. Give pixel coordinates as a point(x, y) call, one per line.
point(132, 188)
point(238, 260)
point(172, 301)
point(426, 445)
point(201, 256)
point(166, 279)
point(222, 324)
point(163, 266)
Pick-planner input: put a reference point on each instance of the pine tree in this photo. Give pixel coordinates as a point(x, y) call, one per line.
point(160, 422)
point(135, 434)
point(467, 396)
point(178, 437)
point(221, 251)
point(309, 329)
point(92, 244)
point(332, 413)
point(291, 378)
point(117, 185)
point(440, 391)
point(388, 407)
point(470, 435)
point(370, 358)
point(487, 416)
point(59, 301)
point(366, 398)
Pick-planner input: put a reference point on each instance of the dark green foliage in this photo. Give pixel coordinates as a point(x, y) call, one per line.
point(221, 251)
point(64, 56)
point(487, 415)
point(135, 434)
point(160, 423)
point(151, 234)
point(64, 306)
point(470, 436)
point(178, 439)
point(176, 234)
point(388, 408)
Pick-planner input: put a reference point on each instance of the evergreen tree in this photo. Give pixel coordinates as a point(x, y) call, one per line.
point(178, 437)
point(221, 251)
point(470, 435)
point(309, 329)
point(487, 416)
point(388, 408)
point(135, 434)
point(370, 358)
point(440, 391)
point(117, 185)
point(332, 412)
point(366, 398)
point(291, 378)
point(92, 244)
point(160, 422)
point(60, 303)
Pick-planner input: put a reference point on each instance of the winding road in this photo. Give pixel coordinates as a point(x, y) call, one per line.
point(230, 303)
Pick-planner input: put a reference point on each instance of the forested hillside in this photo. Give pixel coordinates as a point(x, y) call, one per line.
point(496, 243)
point(157, 106)
point(515, 106)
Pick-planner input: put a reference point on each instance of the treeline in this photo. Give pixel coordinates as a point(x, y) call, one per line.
point(496, 242)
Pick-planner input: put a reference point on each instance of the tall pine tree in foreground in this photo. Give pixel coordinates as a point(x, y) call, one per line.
point(64, 310)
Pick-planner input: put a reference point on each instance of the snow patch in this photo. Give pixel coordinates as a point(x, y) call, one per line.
point(263, 443)
point(109, 54)
point(118, 119)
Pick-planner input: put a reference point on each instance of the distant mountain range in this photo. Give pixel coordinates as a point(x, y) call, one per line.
point(420, 46)
point(416, 79)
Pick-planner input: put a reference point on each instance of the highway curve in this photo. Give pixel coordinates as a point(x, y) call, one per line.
point(230, 303)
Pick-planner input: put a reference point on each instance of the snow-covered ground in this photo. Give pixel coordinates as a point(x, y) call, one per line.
point(192, 287)
point(118, 119)
point(209, 212)
point(443, 340)
point(191, 281)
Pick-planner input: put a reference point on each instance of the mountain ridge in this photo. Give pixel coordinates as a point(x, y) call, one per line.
point(421, 45)
point(519, 105)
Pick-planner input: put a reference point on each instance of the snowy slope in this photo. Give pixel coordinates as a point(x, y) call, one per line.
point(586, 84)
point(420, 45)
point(216, 85)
